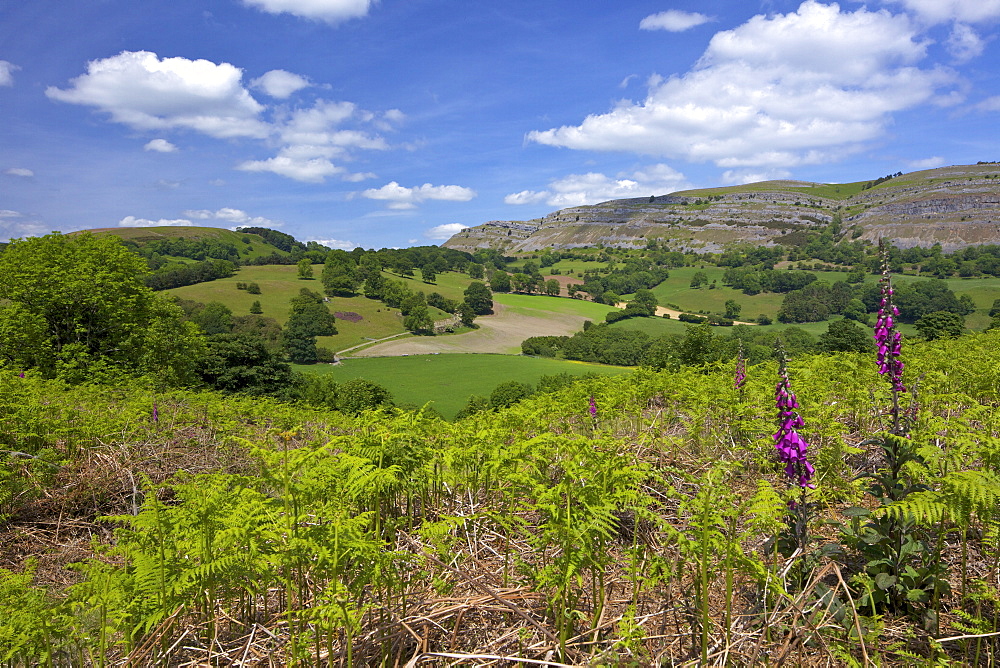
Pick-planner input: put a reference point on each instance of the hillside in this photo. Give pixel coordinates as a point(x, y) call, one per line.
point(249, 246)
point(955, 206)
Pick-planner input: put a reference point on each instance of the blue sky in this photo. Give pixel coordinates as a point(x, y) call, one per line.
point(397, 122)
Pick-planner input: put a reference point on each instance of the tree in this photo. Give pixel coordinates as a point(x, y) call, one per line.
point(467, 313)
point(255, 308)
point(846, 336)
point(419, 319)
point(298, 343)
point(509, 393)
point(479, 297)
point(522, 282)
point(214, 318)
point(243, 363)
point(253, 288)
point(305, 270)
point(428, 273)
point(500, 281)
point(645, 298)
point(552, 287)
point(699, 279)
point(85, 299)
point(309, 316)
point(733, 309)
point(357, 395)
point(941, 325)
point(475, 270)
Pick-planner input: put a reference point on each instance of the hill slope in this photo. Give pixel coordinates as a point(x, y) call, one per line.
point(954, 206)
point(250, 246)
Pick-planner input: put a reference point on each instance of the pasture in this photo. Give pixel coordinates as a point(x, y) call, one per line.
point(447, 381)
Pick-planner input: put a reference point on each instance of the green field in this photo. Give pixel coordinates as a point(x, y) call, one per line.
point(541, 305)
point(448, 380)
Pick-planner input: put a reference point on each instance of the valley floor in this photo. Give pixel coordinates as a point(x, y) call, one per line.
point(501, 332)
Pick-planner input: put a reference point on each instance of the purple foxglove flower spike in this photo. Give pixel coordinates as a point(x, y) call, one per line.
point(593, 408)
point(887, 337)
point(790, 445)
point(741, 369)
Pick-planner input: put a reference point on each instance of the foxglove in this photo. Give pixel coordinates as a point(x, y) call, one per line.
point(790, 445)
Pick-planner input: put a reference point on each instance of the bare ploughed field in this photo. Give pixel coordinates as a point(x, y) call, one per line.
point(501, 332)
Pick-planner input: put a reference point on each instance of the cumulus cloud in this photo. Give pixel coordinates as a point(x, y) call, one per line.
point(400, 197)
point(964, 43)
point(336, 243)
point(328, 11)
point(15, 225)
point(279, 83)
point(673, 20)
point(447, 231)
point(943, 11)
point(142, 91)
point(19, 171)
point(926, 163)
point(160, 146)
point(132, 221)
point(7, 73)
point(776, 91)
point(232, 216)
point(312, 137)
point(740, 176)
point(592, 188)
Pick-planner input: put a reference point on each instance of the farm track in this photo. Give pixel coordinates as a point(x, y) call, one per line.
point(501, 333)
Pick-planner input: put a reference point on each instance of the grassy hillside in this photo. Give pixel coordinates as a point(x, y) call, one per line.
point(251, 245)
point(447, 381)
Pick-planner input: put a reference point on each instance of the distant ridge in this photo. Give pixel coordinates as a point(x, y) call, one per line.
point(955, 206)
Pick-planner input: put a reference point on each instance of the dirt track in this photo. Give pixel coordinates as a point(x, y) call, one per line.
point(501, 332)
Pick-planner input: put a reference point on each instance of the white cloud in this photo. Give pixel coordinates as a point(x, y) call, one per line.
point(132, 221)
point(989, 104)
point(400, 197)
point(19, 171)
point(926, 163)
point(964, 43)
point(329, 11)
point(776, 91)
point(7, 213)
point(446, 231)
point(142, 91)
point(160, 146)
point(280, 84)
point(336, 243)
point(17, 227)
point(741, 176)
point(231, 215)
point(313, 136)
point(943, 11)
point(592, 188)
point(673, 20)
point(309, 170)
point(7, 73)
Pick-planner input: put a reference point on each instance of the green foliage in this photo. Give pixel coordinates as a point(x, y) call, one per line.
point(479, 297)
point(941, 325)
point(88, 295)
point(846, 336)
point(637, 536)
point(243, 363)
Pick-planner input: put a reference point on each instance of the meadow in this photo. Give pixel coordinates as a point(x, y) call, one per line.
point(447, 381)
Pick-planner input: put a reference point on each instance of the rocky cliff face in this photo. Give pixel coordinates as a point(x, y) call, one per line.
point(954, 206)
